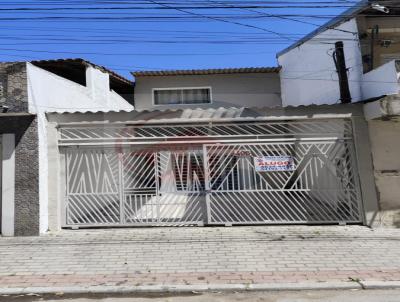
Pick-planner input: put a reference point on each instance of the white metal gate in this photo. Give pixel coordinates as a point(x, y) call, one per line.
point(197, 183)
point(321, 189)
point(134, 187)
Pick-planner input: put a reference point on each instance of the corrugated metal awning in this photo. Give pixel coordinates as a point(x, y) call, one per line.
point(215, 115)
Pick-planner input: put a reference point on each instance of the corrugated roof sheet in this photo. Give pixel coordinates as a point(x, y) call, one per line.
point(150, 73)
point(184, 113)
point(205, 115)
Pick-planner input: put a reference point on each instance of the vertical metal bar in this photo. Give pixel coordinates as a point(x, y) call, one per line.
point(64, 184)
point(208, 191)
point(237, 168)
point(249, 182)
point(121, 187)
point(242, 170)
point(157, 197)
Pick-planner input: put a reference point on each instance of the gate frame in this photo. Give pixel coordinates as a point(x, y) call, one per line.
point(204, 145)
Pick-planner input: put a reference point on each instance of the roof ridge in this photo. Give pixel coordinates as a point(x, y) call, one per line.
point(206, 71)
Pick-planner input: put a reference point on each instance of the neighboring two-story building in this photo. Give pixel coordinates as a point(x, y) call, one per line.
point(209, 88)
point(314, 71)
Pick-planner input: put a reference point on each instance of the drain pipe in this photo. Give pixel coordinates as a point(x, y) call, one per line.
point(340, 63)
point(374, 35)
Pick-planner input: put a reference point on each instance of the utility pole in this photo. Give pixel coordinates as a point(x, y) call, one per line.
point(340, 63)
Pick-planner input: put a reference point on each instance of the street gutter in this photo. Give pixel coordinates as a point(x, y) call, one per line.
point(202, 288)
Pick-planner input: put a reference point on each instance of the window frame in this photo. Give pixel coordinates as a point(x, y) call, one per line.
point(181, 88)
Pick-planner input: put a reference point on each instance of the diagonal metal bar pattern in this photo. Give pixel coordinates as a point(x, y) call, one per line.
point(306, 128)
point(157, 188)
point(198, 183)
point(92, 187)
point(321, 189)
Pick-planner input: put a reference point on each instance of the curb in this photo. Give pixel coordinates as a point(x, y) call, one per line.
point(380, 284)
point(170, 288)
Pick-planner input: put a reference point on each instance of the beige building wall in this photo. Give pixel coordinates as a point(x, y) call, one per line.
point(385, 145)
point(227, 90)
point(389, 29)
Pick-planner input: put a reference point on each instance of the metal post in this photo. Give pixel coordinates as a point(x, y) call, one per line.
point(157, 173)
point(63, 183)
point(121, 187)
point(207, 185)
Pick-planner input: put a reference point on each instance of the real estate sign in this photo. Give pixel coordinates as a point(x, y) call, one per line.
point(274, 163)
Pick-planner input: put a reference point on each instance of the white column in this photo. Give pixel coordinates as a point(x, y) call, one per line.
point(7, 184)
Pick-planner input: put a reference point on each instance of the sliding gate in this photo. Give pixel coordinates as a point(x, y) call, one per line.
point(318, 186)
point(276, 180)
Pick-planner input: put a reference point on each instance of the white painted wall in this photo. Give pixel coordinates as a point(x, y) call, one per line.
point(7, 173)
point(52, 93)
point(48, 92)
point(381, 81)
point(308, 74)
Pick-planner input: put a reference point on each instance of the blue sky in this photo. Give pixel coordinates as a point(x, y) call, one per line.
point(127, 35)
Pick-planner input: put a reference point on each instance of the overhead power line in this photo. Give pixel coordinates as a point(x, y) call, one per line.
point(281, 17)
point(222, 20)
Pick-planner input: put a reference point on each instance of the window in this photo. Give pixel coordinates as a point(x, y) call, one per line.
point(182, 96)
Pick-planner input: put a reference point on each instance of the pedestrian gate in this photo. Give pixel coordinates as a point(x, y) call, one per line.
point(214, 182)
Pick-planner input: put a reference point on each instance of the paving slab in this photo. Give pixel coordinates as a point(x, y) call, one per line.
point(203, 257)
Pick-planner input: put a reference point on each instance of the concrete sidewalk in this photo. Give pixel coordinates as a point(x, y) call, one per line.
point(157, 259)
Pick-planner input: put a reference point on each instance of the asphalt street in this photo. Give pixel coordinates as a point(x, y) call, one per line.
point(273, 296)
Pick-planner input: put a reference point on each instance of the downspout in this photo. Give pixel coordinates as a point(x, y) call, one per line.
point(374, 34)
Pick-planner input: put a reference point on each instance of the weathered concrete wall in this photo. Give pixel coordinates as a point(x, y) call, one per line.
point(14, 94)
point(385, 143)
point(227, 90)
point(27, 181)
point(13, 83)
point(26, 172)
